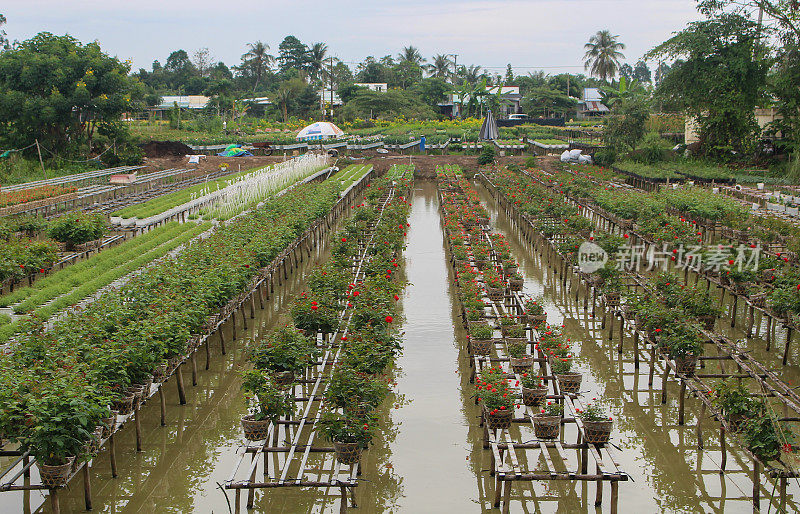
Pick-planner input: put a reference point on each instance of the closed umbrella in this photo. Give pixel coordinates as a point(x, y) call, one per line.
point(489, 128)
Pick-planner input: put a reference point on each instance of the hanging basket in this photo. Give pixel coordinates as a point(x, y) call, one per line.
point(611, 299)
point(495, 294)
point(481, 346)
point(597, 432)
point(500, 419)
point(55, 476)
point(347, 453)
point(283, 378)
point(546, 427)
point(569, 382)
point(538, 319)
point(108, 424)
point(255, 430)
point(516, 284)
point(534, 396)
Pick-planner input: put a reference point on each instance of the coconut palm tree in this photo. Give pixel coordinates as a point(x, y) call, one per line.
point(440, 67)
point(472, 74)
point(257, 59)
point(603, 55)
point(316, 59)
point(411, 54)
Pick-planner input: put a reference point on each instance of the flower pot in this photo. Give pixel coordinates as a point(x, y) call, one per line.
point(283, 378)
point(759, 300)
point(481, 346)
point(569, 382)
point(611, 299)
point(597, 432)
point(481, 263)
point(55, 476)
point(500, 419)
point(534, 396)
point(108, 425)
point(686, 365)
point(708, 321)
point(138, 393)
point(160, 372)
point(124, 405)
point(505, 329)
point(516, 284)
point(736, 421)
point(347, 453)
point(546, 427)
point(255, 430)
point(521, 364)
point(495, 294)
point(537, 319)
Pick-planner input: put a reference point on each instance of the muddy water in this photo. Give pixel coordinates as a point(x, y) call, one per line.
point(428, 457)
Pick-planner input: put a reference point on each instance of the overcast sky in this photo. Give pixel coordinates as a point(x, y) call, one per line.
point(541, 34)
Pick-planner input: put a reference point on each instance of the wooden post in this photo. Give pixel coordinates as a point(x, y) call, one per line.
point(87, 487)
point(614, 496)
point(112, 455)
point(208, 354)
point(506, 495)
point(163, 402)
point(54, 504)
point(179, 381)
point(598, 499)
point(194, 368)
point(682, 404)
point(221, 332)
point(723, 449)
point(138, 424)
point(41, 162)
point(756, 487)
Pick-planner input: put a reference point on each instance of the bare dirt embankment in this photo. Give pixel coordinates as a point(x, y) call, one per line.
point(426, 164)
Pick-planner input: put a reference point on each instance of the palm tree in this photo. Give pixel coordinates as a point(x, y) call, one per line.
point(316, 59)
point(440, 67)
point(603, 55)
point(411, 54)
point(257, 59)
point(472, 74)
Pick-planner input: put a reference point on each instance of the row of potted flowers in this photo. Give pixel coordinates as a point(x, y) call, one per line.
point(672, 315)
point(354, 295)
point(61, 389)
point(497, 392)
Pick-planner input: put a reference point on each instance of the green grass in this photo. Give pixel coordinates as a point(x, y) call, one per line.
point(551, 142)
point(5, 319)
point(71, 285)
point(351, 174)
point(17, 170)
point(163, 203)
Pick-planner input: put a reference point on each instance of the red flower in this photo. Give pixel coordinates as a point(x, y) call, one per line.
point(389, 319)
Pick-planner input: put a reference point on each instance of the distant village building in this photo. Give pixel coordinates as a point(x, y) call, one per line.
point(510, 99)
point(378, 87)
point(591, 105)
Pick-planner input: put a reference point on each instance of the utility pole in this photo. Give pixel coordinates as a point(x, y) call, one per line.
point(330, 73)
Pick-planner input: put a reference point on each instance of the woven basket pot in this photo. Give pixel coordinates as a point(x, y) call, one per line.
point(534, 397)
point(124, 405)
point(521, 364)
point(481, 346)
point(546, 427)
point(283, 378)
point(255, 430)
point(495, 294)
point(55, 476)
point(569, 382)
point(499, 420)
point(516, 284)
point(597, 432)
point(686, 365)
point(109, 424)
point(611, 299)
point(347, 453)
point(537, 319)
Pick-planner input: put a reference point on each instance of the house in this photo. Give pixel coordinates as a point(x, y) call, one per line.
point(378, 87)
point(182, 101)
point(510, 99)
point(591, 104)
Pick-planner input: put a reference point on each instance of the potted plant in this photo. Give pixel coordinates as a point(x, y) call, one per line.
point(597, 424)
point(267, 403)
point(684, 347)
point(285, 352)
point(534, 391)
point(534, 310)
point(569, 382)
point(547, 422)
point(481, 340)
point(350, 435)
point(516, 281)
point(765, 437)
point(497, 400)
point(495, 287)
point(518, 356)
point(699, 304)
point(354, 392)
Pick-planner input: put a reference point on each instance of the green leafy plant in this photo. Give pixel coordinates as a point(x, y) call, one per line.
point(349, 388)
point(347, 428)
point(78, 228)
point(561, 366)
point(266, 400)
point(480, 331)
point(517, 350)
point(593, 412)
point(284, 349)
point(552, 409)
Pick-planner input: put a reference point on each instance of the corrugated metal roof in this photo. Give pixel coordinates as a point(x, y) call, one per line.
point(594, 106)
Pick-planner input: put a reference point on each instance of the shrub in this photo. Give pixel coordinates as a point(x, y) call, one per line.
point(78, 228)
point(605, 157)
point(487, 155)
point(531, 161)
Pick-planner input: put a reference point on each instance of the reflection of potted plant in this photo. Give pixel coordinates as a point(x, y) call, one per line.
point(481, 338)
point(597, 424)
point(547, 422)
point(350, 435)
point(568, 381)
point(267, 402)
point(534, 392)
point(518, 356)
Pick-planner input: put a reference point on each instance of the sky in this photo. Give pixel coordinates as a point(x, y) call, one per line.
point(531, 35)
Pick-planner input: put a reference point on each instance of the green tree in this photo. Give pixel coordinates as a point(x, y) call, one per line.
point(316, 59)
point(545, 100)
point(292, 54)
point(432, 91)
point(441, 67)
point(720, 82)
point(256, 61)
point(57, 90)
point(388, 105)
point(625, 126)
point(410, 54)
point(4, 45)
point(603, 55)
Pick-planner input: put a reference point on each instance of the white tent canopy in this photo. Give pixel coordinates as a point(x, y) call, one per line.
point(319, 130)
